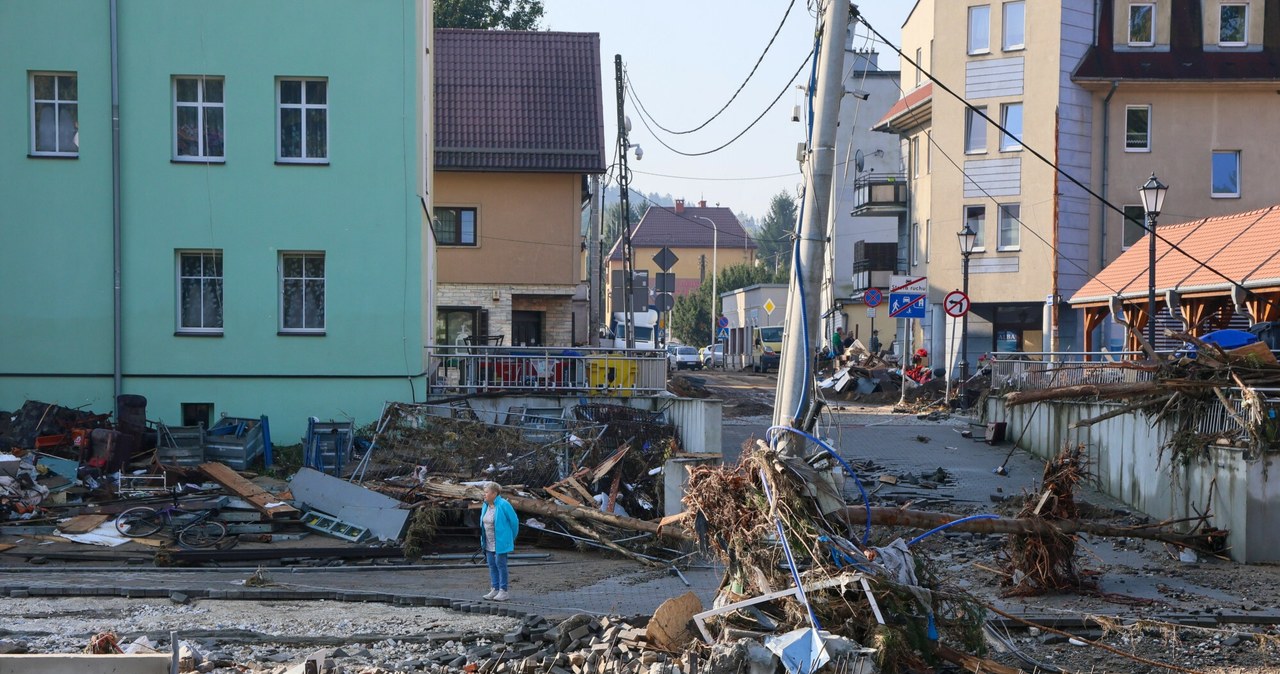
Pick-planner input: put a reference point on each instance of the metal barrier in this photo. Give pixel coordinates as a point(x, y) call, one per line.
point(1030, 371)
point(550, 370)
point(1218, 421)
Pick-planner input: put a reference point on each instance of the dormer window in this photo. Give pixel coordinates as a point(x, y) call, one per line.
point(1142, 24)
point(1233, 25)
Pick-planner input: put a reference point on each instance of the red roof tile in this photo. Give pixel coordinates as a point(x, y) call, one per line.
point(912, 100)
point(661, 226)
point(1240, 246)
point(518, 101)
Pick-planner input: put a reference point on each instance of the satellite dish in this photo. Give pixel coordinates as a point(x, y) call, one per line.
point(858, 160)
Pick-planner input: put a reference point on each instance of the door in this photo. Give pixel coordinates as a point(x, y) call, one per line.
point(526, 328)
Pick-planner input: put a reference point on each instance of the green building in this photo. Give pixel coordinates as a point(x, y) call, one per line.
point(249, 239)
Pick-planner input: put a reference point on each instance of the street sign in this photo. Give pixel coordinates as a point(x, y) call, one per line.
point(769, 306)
point(665, 259)
point(723, 321)
point(872, 298)
point(908, 284)
point(956, 304)
point(723, 335)
point(665, 282)
point(663, 301)
point(871, 312)
point(906, 305)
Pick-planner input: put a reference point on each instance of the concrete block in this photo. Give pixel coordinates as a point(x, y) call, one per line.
point(79, 663)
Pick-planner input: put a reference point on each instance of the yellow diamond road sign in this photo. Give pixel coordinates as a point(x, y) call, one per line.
point(769, 306)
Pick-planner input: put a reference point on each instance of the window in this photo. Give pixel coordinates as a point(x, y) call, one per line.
point(55, 125)
point(974, 217)
point(304, 121)
point(200, 292)
point(915, 244)
point(979, 29)
point(1226, 174)
point(1142, 24)
point(975, 130)
point(1014, 34)
point(302, 293)
point(915, 156)
point(198, 118)
point(1233, 25)
point(1133, 231)
point(1010, 228)
point(1137, 128)
point(456, 226)
point(1011, 120)
point(919, 66)
point(928, 233)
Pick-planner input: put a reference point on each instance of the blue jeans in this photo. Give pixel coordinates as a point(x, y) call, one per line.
point(497, 569)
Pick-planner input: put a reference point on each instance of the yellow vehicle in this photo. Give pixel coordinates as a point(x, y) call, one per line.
point(766, 348)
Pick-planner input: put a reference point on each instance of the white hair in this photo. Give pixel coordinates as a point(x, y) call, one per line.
point(492, 487)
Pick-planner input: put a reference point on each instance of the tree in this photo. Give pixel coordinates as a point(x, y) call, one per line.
point(691, 316)
point(613, 220)
point(488, 14)
point(776, 229)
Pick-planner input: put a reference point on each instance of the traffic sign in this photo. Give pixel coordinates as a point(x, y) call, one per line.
point(908, 284)
point(723, 335)
point(956, 304)
point(723, 321)
point(872, 297)
point(665, 282)
point(769, 306)
point(871, 312)
point(906, 305)
point(665, 259)
point(663, 302)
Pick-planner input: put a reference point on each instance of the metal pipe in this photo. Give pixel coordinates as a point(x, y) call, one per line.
point(715, 267)
point(1151, 280)
point(964, 326)
point(1102, 204)
point(117, 322)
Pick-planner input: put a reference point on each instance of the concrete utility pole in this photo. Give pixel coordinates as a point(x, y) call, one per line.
point(594, 256)
point(624, 196)
point(795, 376)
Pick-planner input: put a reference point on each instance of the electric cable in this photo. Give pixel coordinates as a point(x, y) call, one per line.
point(866, 500)
point(1058, 169)
point(645, 113)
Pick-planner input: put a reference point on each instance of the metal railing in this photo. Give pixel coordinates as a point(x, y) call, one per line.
point(1220, 422)
point(1031, 371)
point(547, 370)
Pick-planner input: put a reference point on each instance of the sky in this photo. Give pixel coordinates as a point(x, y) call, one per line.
point(685, 59)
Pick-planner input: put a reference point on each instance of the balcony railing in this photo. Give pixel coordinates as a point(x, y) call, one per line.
point(880, 190)
point(547, 370)
point(1023, 371)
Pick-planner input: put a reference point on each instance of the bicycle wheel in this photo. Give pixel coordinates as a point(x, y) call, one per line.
point(140, 521)
point(203, 534)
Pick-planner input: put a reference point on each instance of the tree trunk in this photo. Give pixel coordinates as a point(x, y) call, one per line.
point(1083, 391)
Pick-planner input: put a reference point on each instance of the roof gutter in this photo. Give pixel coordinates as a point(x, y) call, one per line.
point(1106, 146)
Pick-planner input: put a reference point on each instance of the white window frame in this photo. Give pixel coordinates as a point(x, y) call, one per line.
point(1242, 43)
point(971, 118)
point(280, 279)
point(1128, 27)
point(1147, 147)
point(1011, 143)
point(58, 102)
point(915, 156)
point(302, 109)
point(201, 106)
point(1004, 27)
point(1124, 223)
point(202, 278)
point(1239, 176)
point(919, 66)
point(1005, 217)
point(915, 244)
point(979, 241)
point(928, 235)
point(972, 48)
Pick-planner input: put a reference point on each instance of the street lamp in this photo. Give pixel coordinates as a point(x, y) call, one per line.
point(715, 247)
point(968, 239)
point(1152, 201)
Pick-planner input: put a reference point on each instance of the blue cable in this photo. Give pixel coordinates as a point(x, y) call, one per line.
point(948, 525)
point(866, 500)
point(795, 248)
point(791, 561)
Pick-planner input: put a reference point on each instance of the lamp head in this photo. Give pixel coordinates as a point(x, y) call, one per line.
point(968, 239)
point(1153, 192)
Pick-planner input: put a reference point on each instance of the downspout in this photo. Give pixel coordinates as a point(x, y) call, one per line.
point(117, 373)
point(1106, 146)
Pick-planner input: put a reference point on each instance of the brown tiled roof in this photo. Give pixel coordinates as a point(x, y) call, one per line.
point(661, 226)
point(1241, 247)
point(518, 101)
point(1186, 58)
point(912, 101)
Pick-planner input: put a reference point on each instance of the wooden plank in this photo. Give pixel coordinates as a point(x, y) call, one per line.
point(82, 524)
point(577, 486)
point(608, 464)
point(562, 496)
point(7, 546)
point(254, 495)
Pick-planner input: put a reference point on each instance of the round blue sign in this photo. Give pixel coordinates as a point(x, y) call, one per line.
point(723, 322)
point(872, 297)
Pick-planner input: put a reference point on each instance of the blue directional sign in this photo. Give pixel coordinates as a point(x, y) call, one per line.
point(906, 305)
point(723, 335)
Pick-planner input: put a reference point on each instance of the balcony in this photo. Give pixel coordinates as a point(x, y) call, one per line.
point(547, 370)
point(878, 192)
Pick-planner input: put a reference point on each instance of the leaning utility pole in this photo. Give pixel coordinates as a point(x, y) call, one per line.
point(804, 322)
point(624, 194)
point(594, 288)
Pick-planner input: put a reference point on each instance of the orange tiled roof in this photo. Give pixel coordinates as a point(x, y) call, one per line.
point(1244, 247)
point(910, 101)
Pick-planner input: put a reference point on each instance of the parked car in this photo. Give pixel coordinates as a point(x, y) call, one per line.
point(767, 360)
point(680, 357)
point(708, 360)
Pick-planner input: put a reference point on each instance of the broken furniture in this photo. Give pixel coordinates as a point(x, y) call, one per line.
point(238, 442)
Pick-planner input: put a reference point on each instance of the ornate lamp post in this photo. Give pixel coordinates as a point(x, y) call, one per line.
point(1152, 192)
point(968, 239)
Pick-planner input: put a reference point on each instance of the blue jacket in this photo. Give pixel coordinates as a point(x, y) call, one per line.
point(505, 526)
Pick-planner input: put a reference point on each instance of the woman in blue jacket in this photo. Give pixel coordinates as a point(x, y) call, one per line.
point(498, 527)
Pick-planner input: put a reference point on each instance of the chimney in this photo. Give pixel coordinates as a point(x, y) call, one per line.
point(679, 206)
point(702, 203)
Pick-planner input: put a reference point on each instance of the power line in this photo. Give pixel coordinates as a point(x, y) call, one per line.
point(645, 113)
point(632, 95)
point(664, 175)
point(1058, 169)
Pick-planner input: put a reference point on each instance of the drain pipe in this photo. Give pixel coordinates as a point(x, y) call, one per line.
point(116, 319)
point(1106, 145)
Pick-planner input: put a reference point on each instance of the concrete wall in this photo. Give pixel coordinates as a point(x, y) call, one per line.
point(1127, 461)
point(79, 663)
